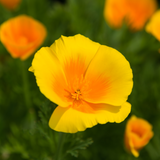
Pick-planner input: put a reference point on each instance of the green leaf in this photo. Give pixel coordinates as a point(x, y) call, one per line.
point(80, 145)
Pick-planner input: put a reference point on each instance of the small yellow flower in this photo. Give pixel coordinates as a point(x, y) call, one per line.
point(134, 12)
point(22, 35)
point(89, 82)
point(10, 4)
point(137, 134)
point(153, 25)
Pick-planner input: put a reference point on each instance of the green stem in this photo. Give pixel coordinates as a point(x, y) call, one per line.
point(58, 155)
point(25, 84)
point(129, 157)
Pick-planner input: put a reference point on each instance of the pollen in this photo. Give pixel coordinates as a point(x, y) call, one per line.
point(76, 95)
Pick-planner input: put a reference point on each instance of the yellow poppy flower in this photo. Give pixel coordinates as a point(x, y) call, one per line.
point(153, 25)
point(10, 4)
point(134, 12)
point(137, 134)
point(89, 82)
point(22, 35)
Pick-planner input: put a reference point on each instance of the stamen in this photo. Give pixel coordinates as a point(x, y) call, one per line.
point(76, 95)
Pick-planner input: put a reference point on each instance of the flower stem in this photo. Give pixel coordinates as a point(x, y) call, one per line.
point(58, 155)
point(25, 84)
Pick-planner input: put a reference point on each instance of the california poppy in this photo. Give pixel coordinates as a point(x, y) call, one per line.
point(22, 35)
point(137, 134)
point(134, 13)
point(89, 82)
point(153, 25)
point(10, 4)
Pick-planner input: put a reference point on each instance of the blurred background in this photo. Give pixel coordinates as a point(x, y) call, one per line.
point(24, 130)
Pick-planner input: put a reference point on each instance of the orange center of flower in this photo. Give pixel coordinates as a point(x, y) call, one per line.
point(76, 95)
point(22, 40)
point(138, 130)
point(79, 88)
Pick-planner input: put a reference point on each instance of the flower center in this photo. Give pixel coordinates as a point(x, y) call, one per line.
point(77, 94)
point(79, 103)
point(22, 40)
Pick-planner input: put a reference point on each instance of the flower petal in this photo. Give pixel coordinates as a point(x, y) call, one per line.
point(109, 78)
point(74, 53)
point(50, 77)
point(154, 25)
point(75, 47)
point(72, 120)
point(114, 12)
